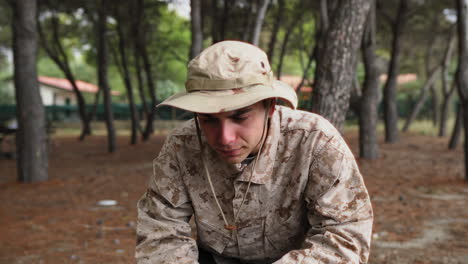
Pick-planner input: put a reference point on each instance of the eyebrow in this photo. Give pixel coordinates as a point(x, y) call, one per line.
point(235, 114)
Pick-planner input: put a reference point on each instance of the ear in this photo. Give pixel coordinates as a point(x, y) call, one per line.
point(272, 107)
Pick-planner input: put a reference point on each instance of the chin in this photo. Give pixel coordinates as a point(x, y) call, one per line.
point(234, 159)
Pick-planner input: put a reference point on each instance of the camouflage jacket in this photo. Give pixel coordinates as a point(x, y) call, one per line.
point(307, 202)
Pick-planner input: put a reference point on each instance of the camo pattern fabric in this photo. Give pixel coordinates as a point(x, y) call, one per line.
point(307, 202)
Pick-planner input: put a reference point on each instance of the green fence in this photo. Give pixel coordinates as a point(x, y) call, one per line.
point(120, 111)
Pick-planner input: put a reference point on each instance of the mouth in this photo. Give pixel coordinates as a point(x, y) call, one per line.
point(229, 152)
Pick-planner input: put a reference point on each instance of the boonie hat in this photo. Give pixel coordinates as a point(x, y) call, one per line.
point(229, 75)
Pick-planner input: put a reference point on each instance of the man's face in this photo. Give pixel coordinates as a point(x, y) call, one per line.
point(236, 134)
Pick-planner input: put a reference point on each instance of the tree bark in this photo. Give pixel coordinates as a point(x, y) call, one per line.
point(462, 71)
point(335, 69)
point(31, 139)
point(390, 105)
point(102, 57)
point(196, 28)
point(259, 22)
point(422, 98)
point(368, 115)
point(457, 128)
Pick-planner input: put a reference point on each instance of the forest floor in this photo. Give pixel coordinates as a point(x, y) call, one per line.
point(419, 197)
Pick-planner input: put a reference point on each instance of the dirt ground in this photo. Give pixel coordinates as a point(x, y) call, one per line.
point(417, 189)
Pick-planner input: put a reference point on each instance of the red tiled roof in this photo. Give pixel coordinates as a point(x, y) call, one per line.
point(294, 81)
point(66, 85)
point(402, 78)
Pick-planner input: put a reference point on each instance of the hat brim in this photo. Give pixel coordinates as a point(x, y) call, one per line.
point(210, 102)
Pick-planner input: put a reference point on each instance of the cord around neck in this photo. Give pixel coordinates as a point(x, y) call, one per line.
point(233, 226)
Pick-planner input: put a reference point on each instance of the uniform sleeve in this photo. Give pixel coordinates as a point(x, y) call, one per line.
point(339, 211)
point(163, 231)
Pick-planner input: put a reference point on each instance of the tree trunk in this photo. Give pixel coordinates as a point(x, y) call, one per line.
point(368, 116)
point(390, 105)
point(435, 105)
point(274, 32)
point(446, 91)
point(60, 58)
point(152, 91)
point(462, 71)
point(284, 46)
point(289, 29)
point(102, 73)
point(335, 69)
point(31, 139)
point(259, 22)
point(422, 98)
point(136, 53)
point(196, 28)
point(445, 111)
point(128, 84)
point(214, 21)
point(248, 21)
point(457, 128)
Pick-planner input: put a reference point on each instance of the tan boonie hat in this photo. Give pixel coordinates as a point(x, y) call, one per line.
point(229, 75)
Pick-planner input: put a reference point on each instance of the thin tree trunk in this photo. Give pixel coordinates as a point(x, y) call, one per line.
point(335, 69)
point(435, 105)
point(368, 116)
point(445, 111)
point(196, 28)
point(138, 7)
point(248, 21)
point(422, 98)
point(276, 27)
point(259, 22)
point(92, 112)
point(284, 46)
point(215, 35)
point(128, 84)
point(305, 73)
point(390, 105)
point(462, 71)
point(31, 139)
point(446, 91)
point(60, 58)
point(152, 91)
point(102, 74)
point(457, 128)
point(224, 19)
point(289, 29)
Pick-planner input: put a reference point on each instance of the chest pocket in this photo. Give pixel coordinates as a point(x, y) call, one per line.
point(251, 239)
point(285, 232)
point(213, 237)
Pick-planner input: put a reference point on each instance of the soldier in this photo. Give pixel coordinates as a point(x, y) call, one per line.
point(265, 183)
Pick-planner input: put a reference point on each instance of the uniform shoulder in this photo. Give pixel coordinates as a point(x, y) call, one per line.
point(187, 128)
point(302, 120)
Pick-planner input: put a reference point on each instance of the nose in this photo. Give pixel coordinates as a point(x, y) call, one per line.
point(227, 134)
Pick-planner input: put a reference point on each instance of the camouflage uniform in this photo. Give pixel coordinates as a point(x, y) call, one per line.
point(307, 202)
